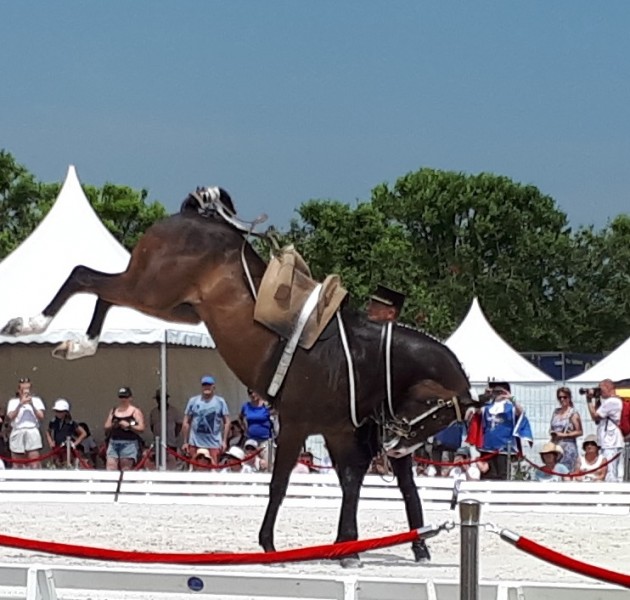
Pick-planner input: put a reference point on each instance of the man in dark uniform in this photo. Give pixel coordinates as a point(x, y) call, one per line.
point(386, 305)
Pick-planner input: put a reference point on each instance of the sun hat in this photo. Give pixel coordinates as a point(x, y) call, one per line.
point(236, 452)
point(203, 453)
point(550, 447)
point(590, 439)
point(61, 405)
point(207, 380)
point(251, 444)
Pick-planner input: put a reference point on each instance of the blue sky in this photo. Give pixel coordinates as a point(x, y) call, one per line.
point(280, 102)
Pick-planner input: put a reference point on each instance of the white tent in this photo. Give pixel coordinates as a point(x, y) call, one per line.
point(615, 366)
point(69, 235)
point(486, 356)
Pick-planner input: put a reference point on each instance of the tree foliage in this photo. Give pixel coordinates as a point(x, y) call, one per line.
point(24, 202)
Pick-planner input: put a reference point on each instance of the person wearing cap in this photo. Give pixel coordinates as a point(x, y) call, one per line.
point(385, 304)
point(257, 420)
point(253, 457)
point(591, 462)
point(203, 460)
point(63, 427)
point(464, 470)
point(552, 469)
point(123, 427)
point(25, 412)
point(234, 461)
point(174, 421)
point(206, 422)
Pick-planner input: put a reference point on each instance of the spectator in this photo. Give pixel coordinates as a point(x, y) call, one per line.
point(498, 429)
point(174, 421)
point(233, 461)
point(606, 412)
point(204, 460)
point(305, 463)
point(464, 470)
point(61, 428)
point(566, 427)
point(591, 461)
point(552, 469)
point(253, 457)
point(379, 466)
point(123, 427)
point(88, 448)
point(206, 422)
point(257, 422)
point(25, 412)
point(236, 434)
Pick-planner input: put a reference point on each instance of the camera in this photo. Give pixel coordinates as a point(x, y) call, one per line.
point(596, 392)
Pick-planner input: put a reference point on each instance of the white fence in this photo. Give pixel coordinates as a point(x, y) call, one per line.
point(50, 582)
point(312, 490)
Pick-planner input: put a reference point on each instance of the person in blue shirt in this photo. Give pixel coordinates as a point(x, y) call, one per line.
point(256, 418)
point(552, 470)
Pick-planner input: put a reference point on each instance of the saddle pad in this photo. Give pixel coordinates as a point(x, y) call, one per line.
point(285, 287)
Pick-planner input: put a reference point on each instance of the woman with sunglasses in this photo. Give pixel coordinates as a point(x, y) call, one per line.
point(566, 428)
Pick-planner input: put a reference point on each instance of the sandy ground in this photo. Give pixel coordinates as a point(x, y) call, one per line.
point(598, 540)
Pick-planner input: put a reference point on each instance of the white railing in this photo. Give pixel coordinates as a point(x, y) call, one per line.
point(321, 490)
point(51, 582)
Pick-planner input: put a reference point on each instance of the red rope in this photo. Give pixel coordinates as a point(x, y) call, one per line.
point(571, 564)
point(144, 459)
point(470, 461)
point(224, 465)
point(26, 461)
point(84, 464)
point(570, 475)
point(212, 558)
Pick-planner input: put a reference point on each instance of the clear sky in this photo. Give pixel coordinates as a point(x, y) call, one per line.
point(283, 101)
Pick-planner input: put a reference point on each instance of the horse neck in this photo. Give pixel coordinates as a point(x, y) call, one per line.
point(227, 309)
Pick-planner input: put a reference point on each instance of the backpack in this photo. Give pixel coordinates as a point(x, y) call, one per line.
point(624, 421)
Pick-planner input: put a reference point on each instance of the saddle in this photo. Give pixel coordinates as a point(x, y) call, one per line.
point(285, 288)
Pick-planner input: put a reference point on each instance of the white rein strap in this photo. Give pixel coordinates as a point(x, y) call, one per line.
point(351, 381)
point(388, 367)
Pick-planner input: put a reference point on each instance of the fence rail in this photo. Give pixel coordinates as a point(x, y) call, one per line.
point(320, 490)
point(51, 582)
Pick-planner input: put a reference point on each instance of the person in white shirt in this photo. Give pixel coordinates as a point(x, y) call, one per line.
point(607, 414)
point(233, 461)
point(464, 470)
point(25, 412)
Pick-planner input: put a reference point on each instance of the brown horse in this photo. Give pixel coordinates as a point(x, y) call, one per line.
point(192, 268)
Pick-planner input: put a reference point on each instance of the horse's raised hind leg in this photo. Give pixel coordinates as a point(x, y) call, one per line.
point(287, 452)
point(403, 470)
point(352, 458)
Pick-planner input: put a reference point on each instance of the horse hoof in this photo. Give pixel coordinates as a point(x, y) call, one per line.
point(13, 327)
point(351, 562)
point(421, 552)
point(73, 349)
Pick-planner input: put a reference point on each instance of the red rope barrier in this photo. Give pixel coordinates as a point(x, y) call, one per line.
point(212, 558)
point(470, 461)
point(224, 465)
point(571, 475)
point(143, 461)
point(565, 562)
point(26, 461)
point(84, 464)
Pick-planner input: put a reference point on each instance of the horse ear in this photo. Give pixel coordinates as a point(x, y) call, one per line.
point(226, 200)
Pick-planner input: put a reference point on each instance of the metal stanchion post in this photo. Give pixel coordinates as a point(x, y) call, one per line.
point(69, 452)
point(469, 513)
point(158, 455)
point(626, 462)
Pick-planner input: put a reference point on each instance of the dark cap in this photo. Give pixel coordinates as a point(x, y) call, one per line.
point(388, 297)
point(504, 385)
point(124, 392)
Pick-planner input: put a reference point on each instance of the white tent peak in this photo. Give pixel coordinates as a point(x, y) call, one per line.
point(615, 366)
point(485, 355)
point(72, 234)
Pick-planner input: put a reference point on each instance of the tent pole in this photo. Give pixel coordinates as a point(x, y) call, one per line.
point(161, 451)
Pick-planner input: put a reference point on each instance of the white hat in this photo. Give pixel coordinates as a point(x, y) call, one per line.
point(61, 404)
point(251, 444)
point(236, 452)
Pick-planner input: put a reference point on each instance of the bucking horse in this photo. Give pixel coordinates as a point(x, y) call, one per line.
point(360, 393)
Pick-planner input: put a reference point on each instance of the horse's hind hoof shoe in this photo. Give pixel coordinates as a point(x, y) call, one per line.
point(421, 552)
point(13, 327)
point(351, 562)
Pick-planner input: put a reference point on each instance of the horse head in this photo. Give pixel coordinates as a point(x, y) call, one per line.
point(431, 392)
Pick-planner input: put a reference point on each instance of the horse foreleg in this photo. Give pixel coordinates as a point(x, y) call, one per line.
point(403, 470)
point(352, 459)
point(287, 453)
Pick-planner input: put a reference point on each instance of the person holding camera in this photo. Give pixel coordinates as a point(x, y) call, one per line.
point(25, 412)
point(605, 410)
